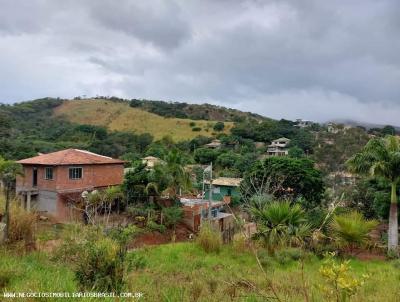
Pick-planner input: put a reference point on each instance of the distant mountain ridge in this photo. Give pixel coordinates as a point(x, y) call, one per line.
point(366, 125)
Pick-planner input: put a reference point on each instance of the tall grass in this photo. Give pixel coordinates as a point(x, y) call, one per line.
point(209, 239)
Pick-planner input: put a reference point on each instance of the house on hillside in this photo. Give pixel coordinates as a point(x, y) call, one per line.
point(195, 211)
point(151, 161)
point(303, 123)
point(223, 189)
point(279, 147)
point(343, 177)
point(53, 182)
point(215, 144)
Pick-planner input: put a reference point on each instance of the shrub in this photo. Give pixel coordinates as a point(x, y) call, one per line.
point(22, 225)
point(153, 226)
point(209, 239)
point(219, 126)
point(351, 230)
point(196, 129)
point(101, 266)
point(172, 215)
point(192, 124)
point(279, 223)
point(99, 262)
point(340, 283)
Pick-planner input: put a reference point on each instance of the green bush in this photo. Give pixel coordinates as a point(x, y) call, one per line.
point(196, 129)
point(279, 223)
point(101, 266)
point(192, 124)
point(351, 230)
point(219, 126)
point(154, 226)
point(99, 260)
point(209, 239)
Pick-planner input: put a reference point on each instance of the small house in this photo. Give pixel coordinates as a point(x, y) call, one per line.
point(151, 161)
point(224, 189)
point(195, 211)
point(279, 147)
point(53, 182)
point(303, 123)
point(215, 144)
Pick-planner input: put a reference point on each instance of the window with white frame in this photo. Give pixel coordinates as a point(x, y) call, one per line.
point(75, 173)
point(48, 173)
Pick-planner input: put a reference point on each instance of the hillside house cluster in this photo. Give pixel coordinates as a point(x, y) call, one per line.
point(53, 182)
point(279, 147)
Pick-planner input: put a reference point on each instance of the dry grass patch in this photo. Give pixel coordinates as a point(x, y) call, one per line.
point(122, 117)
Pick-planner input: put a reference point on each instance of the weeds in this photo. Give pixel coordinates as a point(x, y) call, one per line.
point(209, 239)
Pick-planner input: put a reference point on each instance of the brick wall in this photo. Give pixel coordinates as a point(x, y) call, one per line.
point(93, 176)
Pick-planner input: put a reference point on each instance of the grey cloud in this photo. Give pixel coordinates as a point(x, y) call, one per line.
point(312, 59)
point(156, 22)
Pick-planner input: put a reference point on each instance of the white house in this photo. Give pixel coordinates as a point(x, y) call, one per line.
point(278, 147)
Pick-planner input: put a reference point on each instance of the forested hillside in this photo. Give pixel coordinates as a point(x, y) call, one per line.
point(135, 128)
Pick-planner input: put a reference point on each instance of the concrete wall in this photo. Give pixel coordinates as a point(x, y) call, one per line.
point(47, 201)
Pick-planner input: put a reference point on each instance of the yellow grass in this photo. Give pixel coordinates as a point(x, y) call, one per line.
point(122, 117)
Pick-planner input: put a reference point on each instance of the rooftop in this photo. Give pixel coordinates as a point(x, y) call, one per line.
point(226, 181)
point(282, 139)
point(70, 157)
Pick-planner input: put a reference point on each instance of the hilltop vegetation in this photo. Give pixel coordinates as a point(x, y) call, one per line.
point(195, 111)
point(119, 116)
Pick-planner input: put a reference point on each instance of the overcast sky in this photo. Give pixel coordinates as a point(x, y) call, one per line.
point(316, 60)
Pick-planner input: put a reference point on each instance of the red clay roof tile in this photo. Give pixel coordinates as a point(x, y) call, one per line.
point(70, 157)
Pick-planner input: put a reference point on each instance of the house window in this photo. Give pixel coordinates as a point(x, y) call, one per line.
point(48, 173)
point(75, 173)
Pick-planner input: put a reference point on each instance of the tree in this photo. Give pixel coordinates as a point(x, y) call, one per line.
point(228, 159)
point(351, 230)
point(285, 177)
point(135, 183)
point(172, 173)
point(381, 158)
point(219, 126)
point(388, 130)
point(172, 216)
point(9, 170)
point(296, 152)
point(205, 155)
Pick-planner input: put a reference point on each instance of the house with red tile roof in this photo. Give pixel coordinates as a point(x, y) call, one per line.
point(52, 183)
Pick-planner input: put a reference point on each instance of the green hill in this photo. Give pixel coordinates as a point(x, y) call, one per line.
point(120, 116)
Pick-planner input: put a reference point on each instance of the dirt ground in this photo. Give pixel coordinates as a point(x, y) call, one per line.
point(156, 238)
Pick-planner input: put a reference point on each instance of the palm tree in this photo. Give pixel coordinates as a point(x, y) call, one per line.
point(9, 170)
point(172, 174)
point(381, 158)
point(279, 223)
